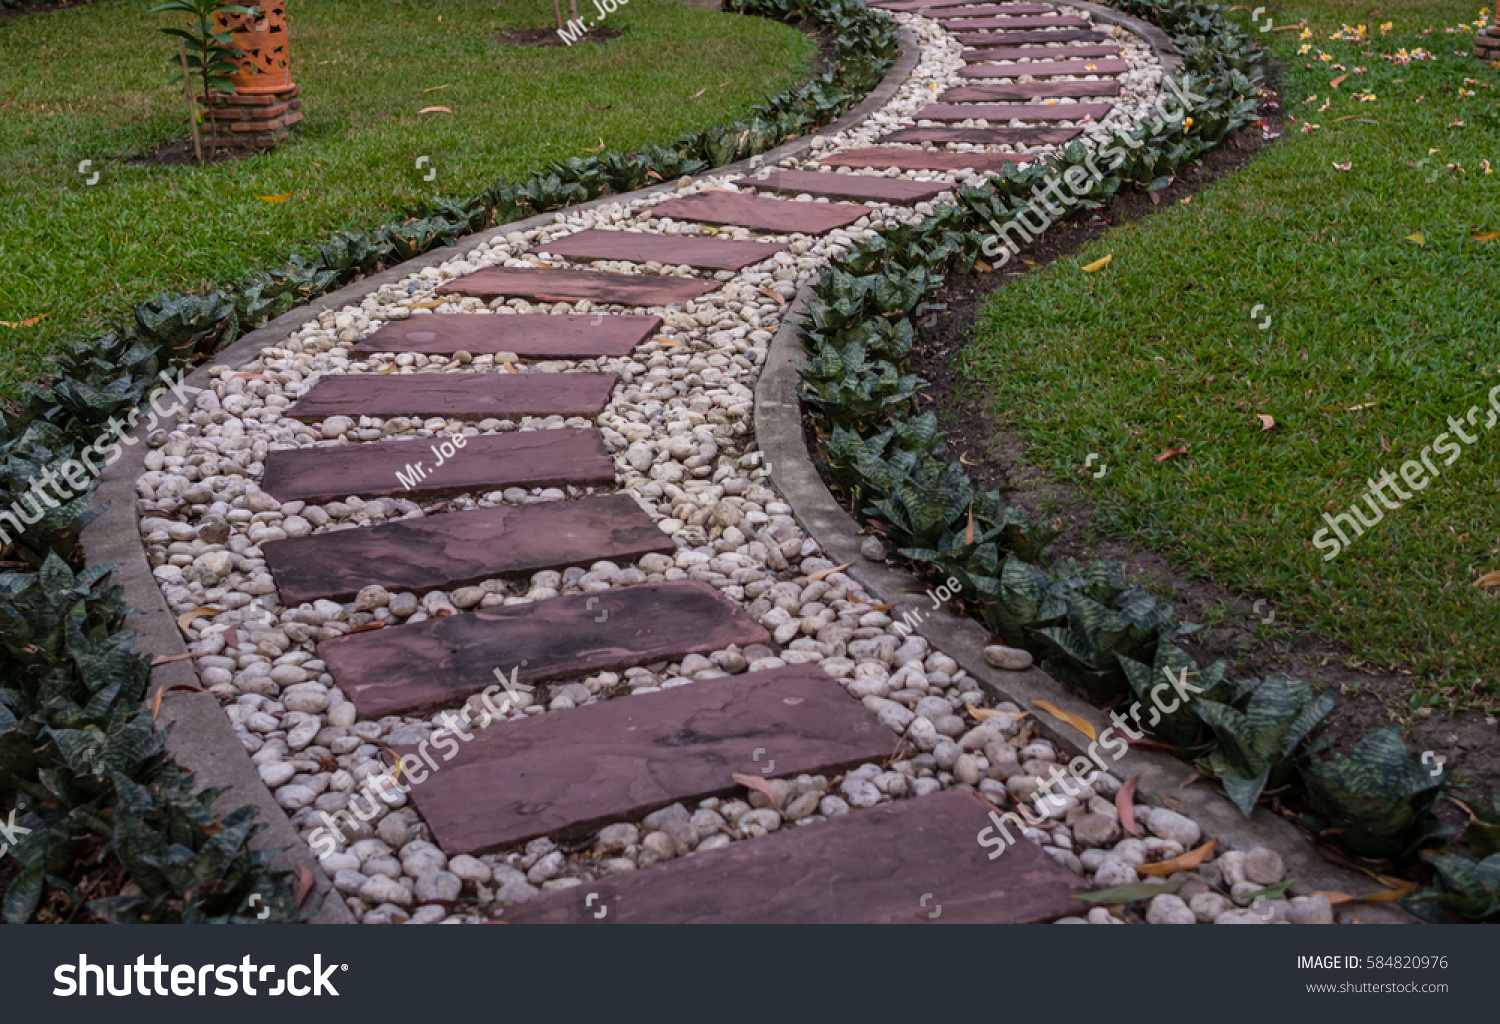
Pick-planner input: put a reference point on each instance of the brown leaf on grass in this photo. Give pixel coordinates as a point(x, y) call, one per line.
point(1083, 725)
point(756, 783)
point(1125, 804)
point(28, 322)
point(1487, 236)
point(435, 88)
point(821, 573)
point(1170, 453)
point(1182, 862)
point(304, 884)
point(1337, 82)
point(434, 110)
point(1419, 237)
point(1266, 421)
point(1097, 265)
point(1489, 579)
point(277, 199)
point(186, 618)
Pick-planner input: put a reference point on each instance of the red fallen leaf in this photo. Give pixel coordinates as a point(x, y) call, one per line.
point(1337, 81)
point(369, 626)
point(756, 783)
point(305, 885)
point(1169, 454)
point(1125, 804)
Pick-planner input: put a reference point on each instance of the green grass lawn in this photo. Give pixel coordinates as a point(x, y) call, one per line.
point(90, 83)
point(1159, 350)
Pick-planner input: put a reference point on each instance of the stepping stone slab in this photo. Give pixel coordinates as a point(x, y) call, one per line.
point(987, 136)
point(564, 775)
point(549, 284)
point(528, 335)
point(973, 24)
point(486, 462)
point(1038, 52)
point(918, 5)
point(1019, 111)
point(1029, 90)
point(899, 191)
point(669, 250)
point(1067, 35)
point(914, 861)
point(457, 549)
point(761, 212)
point(920, 159)
point(1045, 69)
point(974, 10)
point(467, 396)
point(421, 666)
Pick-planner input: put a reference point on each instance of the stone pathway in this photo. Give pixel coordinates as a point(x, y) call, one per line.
point(581, 395)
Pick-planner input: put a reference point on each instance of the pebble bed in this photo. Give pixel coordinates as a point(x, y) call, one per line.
point(679, 425)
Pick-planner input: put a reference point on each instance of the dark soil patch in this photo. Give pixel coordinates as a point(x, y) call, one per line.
point(1249, 636)
point(180, 153)
point(549, 36)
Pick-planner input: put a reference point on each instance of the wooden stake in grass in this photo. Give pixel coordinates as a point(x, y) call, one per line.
point(187, 88)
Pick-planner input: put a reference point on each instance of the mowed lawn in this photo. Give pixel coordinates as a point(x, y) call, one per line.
point(90, 83)
point(1372, 243)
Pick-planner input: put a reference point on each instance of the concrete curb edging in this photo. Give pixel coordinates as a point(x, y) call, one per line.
point(201, 738)
point(778, 432)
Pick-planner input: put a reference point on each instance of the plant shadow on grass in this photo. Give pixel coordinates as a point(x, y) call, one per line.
point(1236, 627)
point(549, 36)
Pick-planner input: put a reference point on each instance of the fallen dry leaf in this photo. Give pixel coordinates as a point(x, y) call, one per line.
point(434, 110)
point(1489, 579)
point(700, 92)
point(427, 304)
point(275, 199)
point(1125, 804)
point(1337, 81)
point(1089, 268)
point(756, 783)
point(435, 88)
point(1419, 237)
point(821, 573)
point(1182, 862)
point(156, 702)
point(305, 885)
point(186, 618)
point(28, 322)
point(969, 530)
point(1488, 236)
point(662, 339)
point(878, 606)
point(1170, 453)
point(1083, 725)
point(1266, 421)
point(1401, 891)
point(982, 266)
point(167, 659)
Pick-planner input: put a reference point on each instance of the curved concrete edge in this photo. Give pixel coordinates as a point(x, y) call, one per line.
point(202, 740)
point(1161, 43)
point(778, 432)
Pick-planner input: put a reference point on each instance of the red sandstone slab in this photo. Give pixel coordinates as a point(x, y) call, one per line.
point(1066, 35)
point(1029, 90)
point(1038, 52)
point(1045, 68)
point(425, 665)
point(917, 5)
point(457, 549)
point(528, 335)
point(1011, 112)
point(899, 191)
point(669, 250)
point(548, 284)
point(914, 861)
point(920, 159)
point(978, 10)
point(566, 775)
point(1005, 24)
point(761, 212)
point(987, 136)
point(487, 462)
point(470, 396)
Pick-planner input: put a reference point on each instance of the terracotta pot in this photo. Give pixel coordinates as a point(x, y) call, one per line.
point(266, 66)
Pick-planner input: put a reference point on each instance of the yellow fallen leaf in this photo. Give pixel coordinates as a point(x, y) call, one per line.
point(1489, 579)
point(1182, 862)
point(982, 266)
point(29, 321)
point(1419, 237)
point(156, 701)
point(1401, 891)
point(828, 571)
point(275, 199)
point(1081, 724)
point(186, 618)
point(1089, 268)
point(434, 110)
point(428, 304)
point(1266, 421)
point(1488, 236)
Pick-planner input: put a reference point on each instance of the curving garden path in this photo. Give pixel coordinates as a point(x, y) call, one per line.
point(524, 484)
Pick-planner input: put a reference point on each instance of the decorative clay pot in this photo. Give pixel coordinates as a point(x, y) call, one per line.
point(266, 66)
